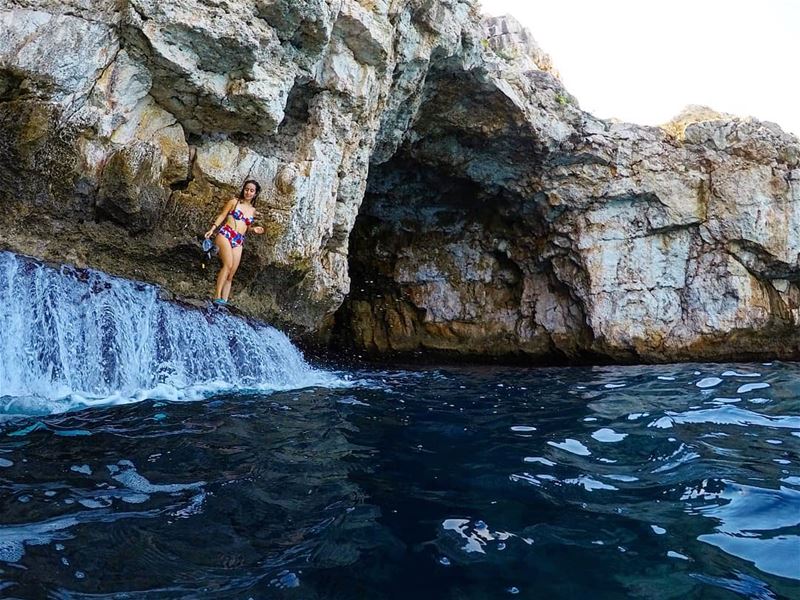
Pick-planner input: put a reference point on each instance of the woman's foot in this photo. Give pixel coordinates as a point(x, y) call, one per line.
point(220, 301)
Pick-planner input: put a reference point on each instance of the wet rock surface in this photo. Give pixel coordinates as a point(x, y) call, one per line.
point(434, 158)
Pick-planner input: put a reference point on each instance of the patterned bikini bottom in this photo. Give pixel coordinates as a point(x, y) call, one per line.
point(235, 238)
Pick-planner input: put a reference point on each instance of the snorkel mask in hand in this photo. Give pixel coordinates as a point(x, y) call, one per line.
point(209, 248)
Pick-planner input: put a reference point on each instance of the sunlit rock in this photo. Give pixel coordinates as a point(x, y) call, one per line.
point(424, 173)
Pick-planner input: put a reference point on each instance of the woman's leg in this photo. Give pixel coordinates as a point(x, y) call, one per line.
point(236, 259)
point(226, 260)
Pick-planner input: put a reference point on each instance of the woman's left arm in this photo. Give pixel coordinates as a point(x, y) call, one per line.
point(257, 229)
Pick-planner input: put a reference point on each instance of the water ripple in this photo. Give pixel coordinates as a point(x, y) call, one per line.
point(476, 481)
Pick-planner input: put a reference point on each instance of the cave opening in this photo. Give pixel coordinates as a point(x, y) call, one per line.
point(442, 266)
point(451, 252)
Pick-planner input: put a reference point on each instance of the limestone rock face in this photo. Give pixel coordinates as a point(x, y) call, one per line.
point(690, 114)
point(434, 158)
point(511, 41)
point(617, 240)
point(127, 125)
point(130, 192)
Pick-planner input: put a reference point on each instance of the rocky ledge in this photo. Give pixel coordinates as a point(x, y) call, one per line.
point(429, 185)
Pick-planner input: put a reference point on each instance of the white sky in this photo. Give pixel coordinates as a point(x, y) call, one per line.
point(644, 60)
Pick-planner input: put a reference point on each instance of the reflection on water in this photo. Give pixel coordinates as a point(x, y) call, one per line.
point(615, 482)
point(181, 498)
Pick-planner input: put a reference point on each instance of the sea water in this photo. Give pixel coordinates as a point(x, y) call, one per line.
point(669, 481)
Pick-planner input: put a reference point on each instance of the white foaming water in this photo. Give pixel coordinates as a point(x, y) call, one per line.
point(73, 339)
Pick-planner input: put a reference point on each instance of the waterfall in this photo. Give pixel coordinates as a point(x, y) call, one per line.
point(73, 338)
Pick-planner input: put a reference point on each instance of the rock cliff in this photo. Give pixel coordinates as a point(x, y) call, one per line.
point(434, 158)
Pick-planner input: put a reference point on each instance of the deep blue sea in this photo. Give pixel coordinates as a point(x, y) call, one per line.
point(150, 449)
point(671, 481)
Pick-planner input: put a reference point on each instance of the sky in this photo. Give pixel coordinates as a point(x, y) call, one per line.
point(643, 61)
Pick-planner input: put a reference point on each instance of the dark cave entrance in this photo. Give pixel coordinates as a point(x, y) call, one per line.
point(450, 253)
point(443, 267)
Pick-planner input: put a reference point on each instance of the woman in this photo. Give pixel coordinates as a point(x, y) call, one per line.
point(236, 219)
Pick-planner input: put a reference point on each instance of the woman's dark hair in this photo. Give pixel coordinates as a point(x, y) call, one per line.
point(258, 190)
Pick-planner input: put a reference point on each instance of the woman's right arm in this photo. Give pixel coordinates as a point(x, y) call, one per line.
point(221, 217)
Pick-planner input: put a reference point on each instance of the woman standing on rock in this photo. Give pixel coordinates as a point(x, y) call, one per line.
point(236, 218)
